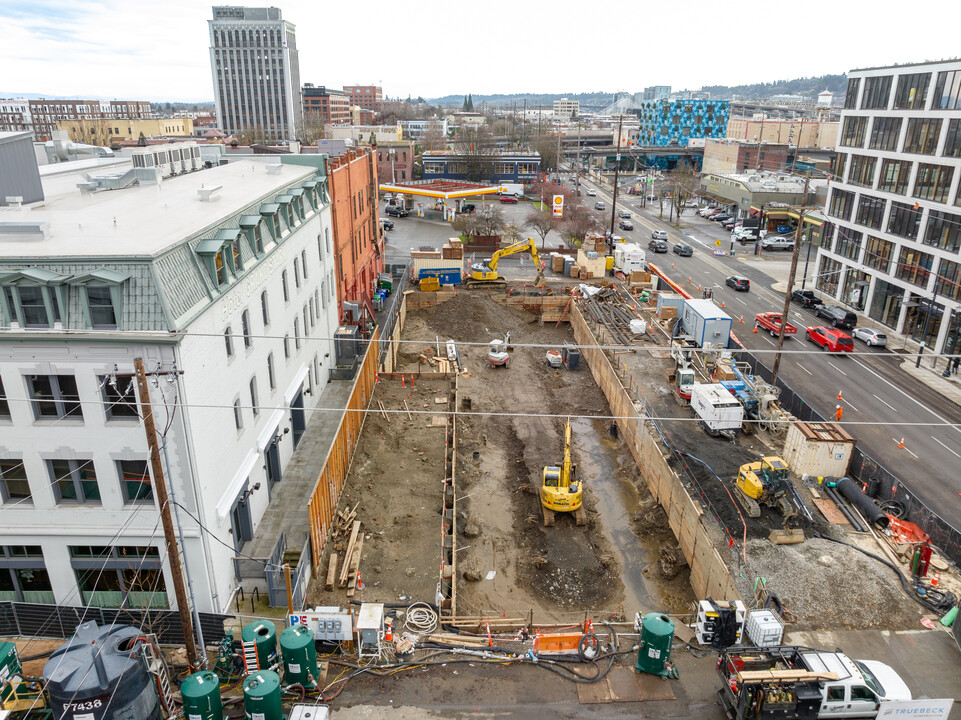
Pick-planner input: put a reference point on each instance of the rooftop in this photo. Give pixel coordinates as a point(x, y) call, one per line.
point(138, 221)
point(908, 65)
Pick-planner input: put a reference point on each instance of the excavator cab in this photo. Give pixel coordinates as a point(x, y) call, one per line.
point(560, 491)
point(774, 470)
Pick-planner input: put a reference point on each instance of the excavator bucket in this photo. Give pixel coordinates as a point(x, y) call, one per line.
point(540, 282)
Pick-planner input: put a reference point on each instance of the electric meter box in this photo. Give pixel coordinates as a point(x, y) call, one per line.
point(329, 624)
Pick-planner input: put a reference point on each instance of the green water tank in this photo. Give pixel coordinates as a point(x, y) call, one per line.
point(657, 635)
point(262, 696)
point(300, 656)
point(264, 636)
point(201, 696)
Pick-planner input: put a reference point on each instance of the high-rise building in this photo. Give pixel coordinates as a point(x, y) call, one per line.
point(256, 72)
point(567, 108)
point(366, 97)
point(895, 202)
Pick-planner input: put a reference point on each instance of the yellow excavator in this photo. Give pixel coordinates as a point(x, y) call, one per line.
point(560, 490)
point(484, 274)
point(766, 482)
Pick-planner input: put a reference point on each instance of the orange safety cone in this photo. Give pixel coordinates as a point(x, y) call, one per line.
point(690, 280)
point(402, 383)
point(389, 629)
point(360, 583)
point(755, 329)
point(722, 304)
point(741, 319)
point(839, 395)
point(936, 579)
point(699, 287)
point(901, 444)
point(490, 640)
point(672, 266)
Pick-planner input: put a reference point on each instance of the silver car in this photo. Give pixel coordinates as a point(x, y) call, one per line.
point(870, 336)
point(778, 243)
point(659, 234)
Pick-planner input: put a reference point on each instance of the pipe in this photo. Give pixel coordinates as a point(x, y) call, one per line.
point(871, 512)
point(842, 506)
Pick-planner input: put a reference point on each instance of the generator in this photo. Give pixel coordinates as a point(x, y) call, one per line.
point(329, 624)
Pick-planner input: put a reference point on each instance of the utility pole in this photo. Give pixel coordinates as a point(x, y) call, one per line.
point(617, 170)
point(790, 281)
point(160, 486)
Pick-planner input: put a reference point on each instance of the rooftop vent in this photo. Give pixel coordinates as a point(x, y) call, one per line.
point(24, 230)
point(14, 202)
point(274, 168)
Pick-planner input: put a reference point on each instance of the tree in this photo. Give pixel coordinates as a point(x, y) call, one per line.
point(464, 108)
point(683, 184)
point(476, 144)
point(511, 233)
point(579, 221)
point(547, 147)
point(466, 224)
point(470, 103)
point(313, 129)
point(252, 136)
point(541, 223)
point(490, 221)
point(92, 132)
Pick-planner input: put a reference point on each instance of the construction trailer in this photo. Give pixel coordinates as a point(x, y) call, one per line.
point(706, 323)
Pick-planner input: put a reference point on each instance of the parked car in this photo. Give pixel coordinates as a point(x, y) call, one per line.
point(468, 208)
point(591, 192)
point(598, 205)
point(778, 243)
point(395, 211)
point(714, 213)
point(387, 224)
point(728, 224)
point(657, 246)
point(830, 339)
point(806, 298)
point(838, 316)
point(705, 211)
point(624, 214)
point(683, 249)
point(659, 235)
point(509, 199)
point(720, 217)
point(870, 336)
point(741, 284)
point(625, 225)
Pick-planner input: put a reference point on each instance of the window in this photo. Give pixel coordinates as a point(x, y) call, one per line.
point(915, 266)
point(283, 280)
point(245, 328)
point(254, 405)
point(23, 576)
point(317, 302)
point(894, 176)
point(828, 275)
point(303, 262)
point(871, 211)
point(922, 135)
point(120, 397)
point(121, 576)
point(904, 221)
point(878, 254)
point(320, 249)
point(74, 481)
point(853, 132)
point(270, 372)
point(912, 91)
point(220, 269)
point(884, 133)
point(228, 341)
point(849, 243)
point(862, 170)
point(840, 163)
point(306, 326)
point(265, 312)
point(835, 693)
point(4, 405)
point(135, 481)
point(33, 307)
point(949, 279)
point(14, 487)
point(933, 182)
point(851, 96)
point(877, 90)
point(238, 415)
point(287, 346)
point(54, 396)
point(100, 304)
point(842, 203)
point(327, 238)
point(297, 333)
point(952, 142)
point(943, 231)
point(947, 91)
point(236, 261)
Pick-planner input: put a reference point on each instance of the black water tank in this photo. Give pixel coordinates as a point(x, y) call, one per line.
point(98, 674)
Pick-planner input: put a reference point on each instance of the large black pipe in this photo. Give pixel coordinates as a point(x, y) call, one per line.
point(842, 506)
point(871, 512)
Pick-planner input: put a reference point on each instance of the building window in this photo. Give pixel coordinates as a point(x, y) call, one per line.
point(120, 397)
point(878, 253)
point(121, 576)
point(297, 333)
point(254, 404)
point(829, 275)
point(270, 372)
point(229, 341)
point(842, 203)
point(933, 182)
point(23, 575)
point(287, 346)
point(220, 269)
point(297, 272)
point(870, 211)
point(952, 142)
point(885, 133)
point(840, 164)
point(238, 415)
point(877, 90)
point(904, 221)
point(4, 405)
point(303, 262)
point(912, 91)
point(894, 176)
point(854, 130)
point(922, 135)
point(34, 310)
point(74, 481)
point(245, 328)
point(14, 487)
point(264, 310)
point(915, 266)
point(862, 170)
point(135, 481)
point(849, 243)
point(54, 396)
point(283, 281)
point(851, 96)
point(943, 231)
point(320, 249)
point(948, 282)
point(100, 305)
point(947, 91)
point(237, 262)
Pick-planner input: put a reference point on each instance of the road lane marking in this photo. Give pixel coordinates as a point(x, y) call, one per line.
point(943, 445)
point(767, 339)
point(850, 405)
point(889, 405)
point(836, 368)
point(741, 301)
point(804, 368)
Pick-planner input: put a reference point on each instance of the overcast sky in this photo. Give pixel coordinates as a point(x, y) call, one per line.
point(150, 50)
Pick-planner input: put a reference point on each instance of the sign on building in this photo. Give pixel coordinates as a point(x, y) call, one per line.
point(558, 206)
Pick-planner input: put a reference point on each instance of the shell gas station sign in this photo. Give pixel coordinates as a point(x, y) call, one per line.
point(557, 206)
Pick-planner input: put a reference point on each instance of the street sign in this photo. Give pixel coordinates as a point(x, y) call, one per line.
point(717, 243)
point(650, 181)
point(720, 252)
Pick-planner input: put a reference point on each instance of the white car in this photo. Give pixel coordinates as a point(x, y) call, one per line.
point(778, 243)
point(592, 193)
point(870, 336)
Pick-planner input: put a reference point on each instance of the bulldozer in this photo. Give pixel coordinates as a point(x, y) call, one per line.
point(484, 274)
point(560, 491)
point(766, 482)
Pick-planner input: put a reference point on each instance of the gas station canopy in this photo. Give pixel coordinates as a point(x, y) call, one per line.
point(441, 189)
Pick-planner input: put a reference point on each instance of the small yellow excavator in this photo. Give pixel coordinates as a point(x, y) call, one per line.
point(560, 491)
point(484, 274)
point(766, 482)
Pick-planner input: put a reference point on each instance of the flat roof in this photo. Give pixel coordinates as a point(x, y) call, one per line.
point(140, 220)
point(445, 189)
point(907, 65)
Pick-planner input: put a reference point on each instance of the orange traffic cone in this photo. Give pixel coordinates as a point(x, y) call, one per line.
point(901, 444)
point(936, 579)
point(839, 395)
point(690, 280)
point(755, 328)
point(741, 319)
point(490, 640)
point(402, 383)
point(360, 583)
point(389, 629)
point(722, 304)
point(698, 287)
point(672, 266)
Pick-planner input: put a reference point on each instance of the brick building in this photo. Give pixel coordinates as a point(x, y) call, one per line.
point(15, 116)
point(724, 156)
point(358, 246)
point(395, 160)
point(46, 113)
point(366, 97)
point(325, 106)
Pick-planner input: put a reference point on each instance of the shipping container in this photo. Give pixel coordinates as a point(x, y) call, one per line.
point(818, 449)
point(669, 299)
point(706, 323)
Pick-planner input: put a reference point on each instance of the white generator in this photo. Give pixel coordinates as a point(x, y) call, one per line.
point(719, 412)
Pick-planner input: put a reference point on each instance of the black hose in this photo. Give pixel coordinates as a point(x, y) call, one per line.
point(774, 600)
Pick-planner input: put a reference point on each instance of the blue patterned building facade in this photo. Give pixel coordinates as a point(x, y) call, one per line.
point(675, 122)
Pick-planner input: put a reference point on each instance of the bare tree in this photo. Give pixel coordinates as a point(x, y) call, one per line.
point(541, 223)
point(547, 147)
point(476, 144)
point(313, 129)
point(511, 233)
point(434, 140)
point(491, 221)
point(466, 224)
point(252, 136)
point(683, 183)
point(579, 221)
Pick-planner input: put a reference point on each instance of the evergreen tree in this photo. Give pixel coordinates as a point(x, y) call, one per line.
point(470, 102)
point(465, 104)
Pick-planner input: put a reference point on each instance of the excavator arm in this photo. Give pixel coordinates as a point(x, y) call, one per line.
point(517, 247)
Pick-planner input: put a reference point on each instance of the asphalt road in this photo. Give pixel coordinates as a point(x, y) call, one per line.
point(881, 403)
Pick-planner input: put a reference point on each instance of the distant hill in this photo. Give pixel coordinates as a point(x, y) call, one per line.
point(593, 99)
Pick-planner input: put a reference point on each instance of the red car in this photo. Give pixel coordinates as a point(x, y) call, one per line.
point(771, 321)
point(830, 339)
point(508, 199)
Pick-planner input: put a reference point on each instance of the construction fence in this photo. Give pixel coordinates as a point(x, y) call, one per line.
point(322, 504)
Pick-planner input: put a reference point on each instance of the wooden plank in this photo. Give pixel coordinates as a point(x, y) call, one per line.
point(331, 572)
point(354, 566)
point(830, 511)
point(784, 675)
point(350, 549)
point(407, 408)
